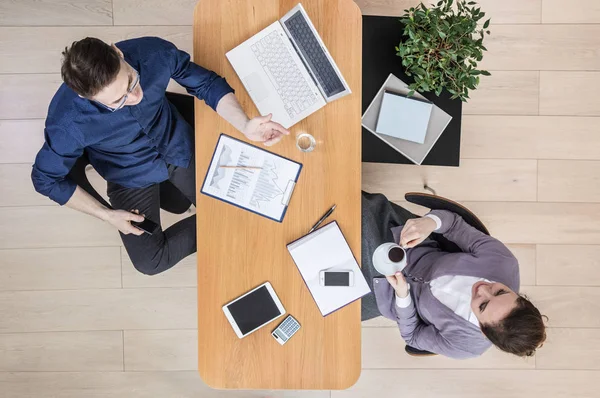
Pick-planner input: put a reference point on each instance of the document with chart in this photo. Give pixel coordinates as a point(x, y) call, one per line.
point(251, 178)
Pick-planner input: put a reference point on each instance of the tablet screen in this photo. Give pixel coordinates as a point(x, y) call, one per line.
point(254, 310)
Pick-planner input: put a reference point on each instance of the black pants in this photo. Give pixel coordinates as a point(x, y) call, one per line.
point(152, 254)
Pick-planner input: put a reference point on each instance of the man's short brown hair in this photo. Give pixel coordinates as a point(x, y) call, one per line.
point(89, 65)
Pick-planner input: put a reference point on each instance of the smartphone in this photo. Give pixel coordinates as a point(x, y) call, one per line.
point(336, 278)
point(147, 226)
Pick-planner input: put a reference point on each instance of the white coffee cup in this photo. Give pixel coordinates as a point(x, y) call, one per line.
point(389, 258)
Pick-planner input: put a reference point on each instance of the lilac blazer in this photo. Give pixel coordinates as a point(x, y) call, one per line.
point(427, 324)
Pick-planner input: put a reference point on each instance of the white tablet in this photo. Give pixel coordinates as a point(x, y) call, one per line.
point(253, 310)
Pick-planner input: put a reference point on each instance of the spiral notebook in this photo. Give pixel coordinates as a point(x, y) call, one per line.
point(327, 249)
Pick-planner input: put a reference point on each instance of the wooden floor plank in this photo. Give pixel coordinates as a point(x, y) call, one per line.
point(505, 93)
point(100, 309)
point(569, 93)
point(62, 227)
point(568, 265)
point(501, 12)
point(472, 384)
point(530, 137)
point(474, 180)
point(57, 316)
point(573, 12)
point(60, 268)
point(61, 351)
point(20, 140)
point(27, 96)
point(566, 306)
point(127, 385)
point(149, 350)
point(154, 12)
point(38, 49)
point(379, 322)
point(568, 348)
point(383, 348)
point(542, 47)
point(569, 181)
point(540, 223)
point(526, 255)
point(17, 187)
point(55, 12)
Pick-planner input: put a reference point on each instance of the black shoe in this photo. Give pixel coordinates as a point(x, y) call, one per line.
point(417, 353)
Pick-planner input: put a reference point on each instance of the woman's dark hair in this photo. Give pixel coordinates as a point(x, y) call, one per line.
point(89, 65)
point(521, 332)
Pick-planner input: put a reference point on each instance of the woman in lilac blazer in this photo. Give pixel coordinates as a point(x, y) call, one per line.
point(452, 304)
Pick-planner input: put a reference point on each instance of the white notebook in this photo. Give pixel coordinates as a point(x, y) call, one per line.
point(403, 117)
point(327, 249)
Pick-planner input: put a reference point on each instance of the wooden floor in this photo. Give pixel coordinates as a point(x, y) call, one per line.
point(76, 320)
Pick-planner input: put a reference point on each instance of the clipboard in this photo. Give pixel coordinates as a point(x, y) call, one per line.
point(264, 189)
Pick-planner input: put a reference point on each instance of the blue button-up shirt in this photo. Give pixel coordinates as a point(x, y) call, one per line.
point(132, 146)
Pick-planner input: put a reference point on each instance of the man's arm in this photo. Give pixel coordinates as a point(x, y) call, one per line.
point(260, 128)
point(49, 176)
point(214, 90)
point(120, 219)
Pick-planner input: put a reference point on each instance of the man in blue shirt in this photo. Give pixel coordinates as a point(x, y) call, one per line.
point(112, 108)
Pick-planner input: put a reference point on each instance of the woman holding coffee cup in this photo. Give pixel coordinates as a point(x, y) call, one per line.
point(452, 304)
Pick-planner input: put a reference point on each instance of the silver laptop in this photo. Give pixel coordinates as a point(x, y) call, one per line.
point(287, 69)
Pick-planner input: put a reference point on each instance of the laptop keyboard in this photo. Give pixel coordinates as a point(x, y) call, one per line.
point(285, 75)
point(311, 49)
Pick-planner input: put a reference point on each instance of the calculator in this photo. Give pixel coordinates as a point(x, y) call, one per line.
point(286, 329)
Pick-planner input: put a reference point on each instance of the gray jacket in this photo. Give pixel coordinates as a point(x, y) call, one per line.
point(427, 324)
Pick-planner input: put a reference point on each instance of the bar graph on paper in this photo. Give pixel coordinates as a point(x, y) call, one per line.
point(265, 188)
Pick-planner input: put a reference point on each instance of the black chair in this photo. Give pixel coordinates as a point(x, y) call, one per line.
point(435, 202)
point(178, 203)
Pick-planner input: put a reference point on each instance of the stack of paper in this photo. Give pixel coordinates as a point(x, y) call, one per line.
point(403, 117)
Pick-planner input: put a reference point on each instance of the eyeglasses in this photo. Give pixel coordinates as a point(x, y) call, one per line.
point(129, 90)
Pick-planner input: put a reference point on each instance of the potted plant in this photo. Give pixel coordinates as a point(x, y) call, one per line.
point(442, 46)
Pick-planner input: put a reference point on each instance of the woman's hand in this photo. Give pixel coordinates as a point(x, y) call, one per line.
point(416, 230)
point(399, 284)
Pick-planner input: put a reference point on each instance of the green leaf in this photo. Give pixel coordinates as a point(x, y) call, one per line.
point(410, 93)
point(486, 24)
point(485, 73)
point(441, 46)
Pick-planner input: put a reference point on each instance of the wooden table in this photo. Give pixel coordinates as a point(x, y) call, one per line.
point(238, 250)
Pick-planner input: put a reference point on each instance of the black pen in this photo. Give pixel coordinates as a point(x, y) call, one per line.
point(322, 219)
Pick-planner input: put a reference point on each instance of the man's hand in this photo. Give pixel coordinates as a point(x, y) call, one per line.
point(121, 219)
point(262, 129)
point(416, 230)
point(399, 284)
